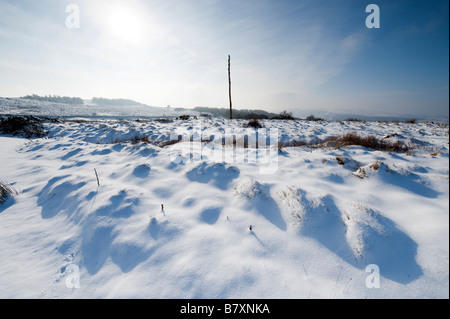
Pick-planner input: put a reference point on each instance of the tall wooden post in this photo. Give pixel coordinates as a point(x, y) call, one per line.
point(229, 88)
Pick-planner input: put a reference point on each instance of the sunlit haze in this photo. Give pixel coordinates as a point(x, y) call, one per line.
point(301, 56)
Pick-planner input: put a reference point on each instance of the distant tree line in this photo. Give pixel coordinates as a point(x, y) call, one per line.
point(76, 100)
point(285, 115)
point(114, 102)
point(237, 114)
point(55, 99)
point(245, 114)
point(215, 112)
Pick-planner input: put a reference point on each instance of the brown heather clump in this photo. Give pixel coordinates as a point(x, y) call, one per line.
point(255, 123)
point(369, 141)
point(351, 139)
point(6, 190)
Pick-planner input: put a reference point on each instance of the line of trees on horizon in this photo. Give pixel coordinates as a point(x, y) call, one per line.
point(114, 102)
point(245, 114)
point(77, 100)
point(213, 111)
point(55, 99)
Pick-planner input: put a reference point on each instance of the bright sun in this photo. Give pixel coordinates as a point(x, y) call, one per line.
point(126, 24)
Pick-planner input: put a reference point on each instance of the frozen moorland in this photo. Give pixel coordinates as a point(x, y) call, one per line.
point(171, 219)
point(19, 106)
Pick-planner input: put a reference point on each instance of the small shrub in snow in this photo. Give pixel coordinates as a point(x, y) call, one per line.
point(375, 166)
point(340, 161)
point(184, 117)
point(313, 118)
point(140, 139)
point(365, 171)
point(136, 139)
point(163, 120)
point(254, 123)
point(284, 116)
point(435, 153)
point(6, 190)
point(293, 143)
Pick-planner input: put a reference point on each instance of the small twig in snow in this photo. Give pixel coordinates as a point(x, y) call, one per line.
point(96, 175)
point(337, 279)
point(307, 275)
point(347, 284)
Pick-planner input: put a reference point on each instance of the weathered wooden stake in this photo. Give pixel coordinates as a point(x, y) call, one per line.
point(229, 88)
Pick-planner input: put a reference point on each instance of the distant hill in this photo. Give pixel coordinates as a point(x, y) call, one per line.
point(114, 102)
point(55, 99)
point(76, 100)
point(237, 114)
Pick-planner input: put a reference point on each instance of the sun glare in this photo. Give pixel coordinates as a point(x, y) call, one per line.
point(126, 24)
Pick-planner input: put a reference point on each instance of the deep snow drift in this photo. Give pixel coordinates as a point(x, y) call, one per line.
point(319, 220)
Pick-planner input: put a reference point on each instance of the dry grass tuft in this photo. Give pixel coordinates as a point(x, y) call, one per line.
point(370, 141)
point(6, 190)
point(253, 123)
point(351, 139)
point(136, 139)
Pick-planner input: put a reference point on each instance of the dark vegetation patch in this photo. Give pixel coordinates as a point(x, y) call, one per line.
point(369, 141)
point(285, 115)
point(351, 139)
point(237, 114)
point(24, 125)
point(55, 99)
point(255, 123)
point(314, 118)
point(6, 191)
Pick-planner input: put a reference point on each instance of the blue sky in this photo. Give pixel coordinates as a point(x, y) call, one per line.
point(303, 56)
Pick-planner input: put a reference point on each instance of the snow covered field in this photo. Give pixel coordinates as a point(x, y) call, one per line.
point(325, 220)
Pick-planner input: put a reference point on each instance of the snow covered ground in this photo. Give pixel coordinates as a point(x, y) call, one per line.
point(324, 221)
